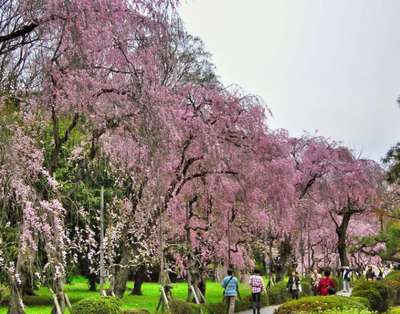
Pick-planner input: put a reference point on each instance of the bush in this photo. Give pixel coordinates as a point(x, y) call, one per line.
point(319, 303)
point(377, 292)
point(394, 286)
point(216, 308)
point(4, 294)
point(278, 294)
point(306, 287)
point(182, 307)
point(394, 275)
point(105, 305)
point(136, 311)
point(240, 305)
point(37, 300)
point(393, 281)
point(345, 311)
point(376, 303)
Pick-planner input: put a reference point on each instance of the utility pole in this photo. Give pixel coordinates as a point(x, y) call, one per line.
point(102, 272)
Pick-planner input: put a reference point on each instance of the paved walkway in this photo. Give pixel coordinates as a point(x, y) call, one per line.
point(345, 294)
point(264, 310)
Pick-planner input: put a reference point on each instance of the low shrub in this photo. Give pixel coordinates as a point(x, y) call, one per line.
point(394, 275)
point(393, 281)
point(395, 291)
point(320, 304)
point(240, 305)
point(376, 303)
point(362, 300)
point(378, 294)
point(104, 305)
point(216, 308)
point(278, 294)
point(339, 311)
point(4, 294)
point(37, 300)
point(136, 311)
point(306, 288)
point(182, 307)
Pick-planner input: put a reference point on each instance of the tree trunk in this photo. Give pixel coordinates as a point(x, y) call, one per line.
point(58, 288)
point(16, 305)
point(29, 287)
point(342, 235)
point(19, 281)
point(285, 251)
point(121, 274)
point(140, 276)
point(92, 278)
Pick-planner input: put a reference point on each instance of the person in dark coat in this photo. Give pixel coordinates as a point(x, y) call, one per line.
point(294, 285)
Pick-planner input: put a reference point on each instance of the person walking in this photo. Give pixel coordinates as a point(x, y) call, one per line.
point(370, 274)
point(326, 285)
point(294, 285)
point(231, 291)
point(257, 287)
point(315, 278)
point(347, 273)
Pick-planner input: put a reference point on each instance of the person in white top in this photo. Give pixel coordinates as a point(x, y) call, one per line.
point(257, 287)
point(347, 272)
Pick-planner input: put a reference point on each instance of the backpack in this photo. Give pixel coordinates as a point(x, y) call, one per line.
point(347, 274)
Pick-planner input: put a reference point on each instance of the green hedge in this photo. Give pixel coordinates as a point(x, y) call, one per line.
point(182, 307)
point(393, 281)
point(339, 311)
point(378, 294)
point(279, 294)
point(104, 305)
point(394, 275)
point(4, 294)
point(136, 311)
point(320, 304)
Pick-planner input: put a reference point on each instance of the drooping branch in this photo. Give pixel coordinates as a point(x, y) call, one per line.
point(23, 31)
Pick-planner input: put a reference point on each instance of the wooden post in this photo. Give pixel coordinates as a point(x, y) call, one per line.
point(56, 303)
point(67, 301)
point(102, 272)
point(202, 296)
point(196, 298)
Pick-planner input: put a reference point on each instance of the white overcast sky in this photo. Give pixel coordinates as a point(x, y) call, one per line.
point(326, 65)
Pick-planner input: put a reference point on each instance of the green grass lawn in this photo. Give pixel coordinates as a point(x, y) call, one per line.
point(151, 291)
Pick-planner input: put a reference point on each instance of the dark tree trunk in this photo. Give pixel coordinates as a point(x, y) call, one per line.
point(201, 285)
point(285, 252)
point(29, 287)
point(341, 232)
point(92, 279)
point(140, 276)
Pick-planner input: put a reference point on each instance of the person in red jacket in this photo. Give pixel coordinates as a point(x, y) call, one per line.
point(326, 284)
